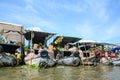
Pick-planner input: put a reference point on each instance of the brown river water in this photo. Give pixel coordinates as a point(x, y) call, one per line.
point(99, 72)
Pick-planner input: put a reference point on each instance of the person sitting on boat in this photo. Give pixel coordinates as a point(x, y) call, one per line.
point(105, 58)
point(50, 50)
point(28, 58)
point(42, 52)
point(67, 46)
point(57, 53)
point(40, 48)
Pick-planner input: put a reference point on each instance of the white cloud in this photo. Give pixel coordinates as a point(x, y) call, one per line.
point(92, 16)
point(35, 29)
point(30, 9)
point(98, 9)
point(98, 32)
point(86, 30)
point(75, 7)
point(113, 30)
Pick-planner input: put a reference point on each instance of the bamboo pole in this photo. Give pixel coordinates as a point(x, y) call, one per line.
point(31, 42)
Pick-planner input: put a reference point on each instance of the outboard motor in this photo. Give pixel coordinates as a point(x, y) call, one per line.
point(44, 55)
point(45, 60)
point(43, 65)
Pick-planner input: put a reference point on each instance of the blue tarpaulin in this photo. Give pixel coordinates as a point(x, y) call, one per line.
point(114, 49)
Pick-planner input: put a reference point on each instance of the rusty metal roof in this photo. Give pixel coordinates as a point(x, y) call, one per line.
point(12, 32)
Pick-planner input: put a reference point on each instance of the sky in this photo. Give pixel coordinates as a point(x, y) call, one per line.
point(97, 20)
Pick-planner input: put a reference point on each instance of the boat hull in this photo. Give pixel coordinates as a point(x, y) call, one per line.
point(7, 60)
point(69, 61)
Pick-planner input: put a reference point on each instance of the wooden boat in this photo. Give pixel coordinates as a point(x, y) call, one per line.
point(69, 61)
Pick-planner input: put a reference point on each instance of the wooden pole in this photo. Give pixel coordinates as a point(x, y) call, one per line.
point(31, 42)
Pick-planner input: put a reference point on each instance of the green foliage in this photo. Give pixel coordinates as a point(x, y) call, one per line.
point(60, 48)
point(28, 66)
point(0, 40)
point(34, 66)
point(106, 48)
point(96, 48)
point(26, 48)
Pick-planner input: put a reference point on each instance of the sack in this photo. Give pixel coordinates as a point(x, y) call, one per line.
point(111, 54)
